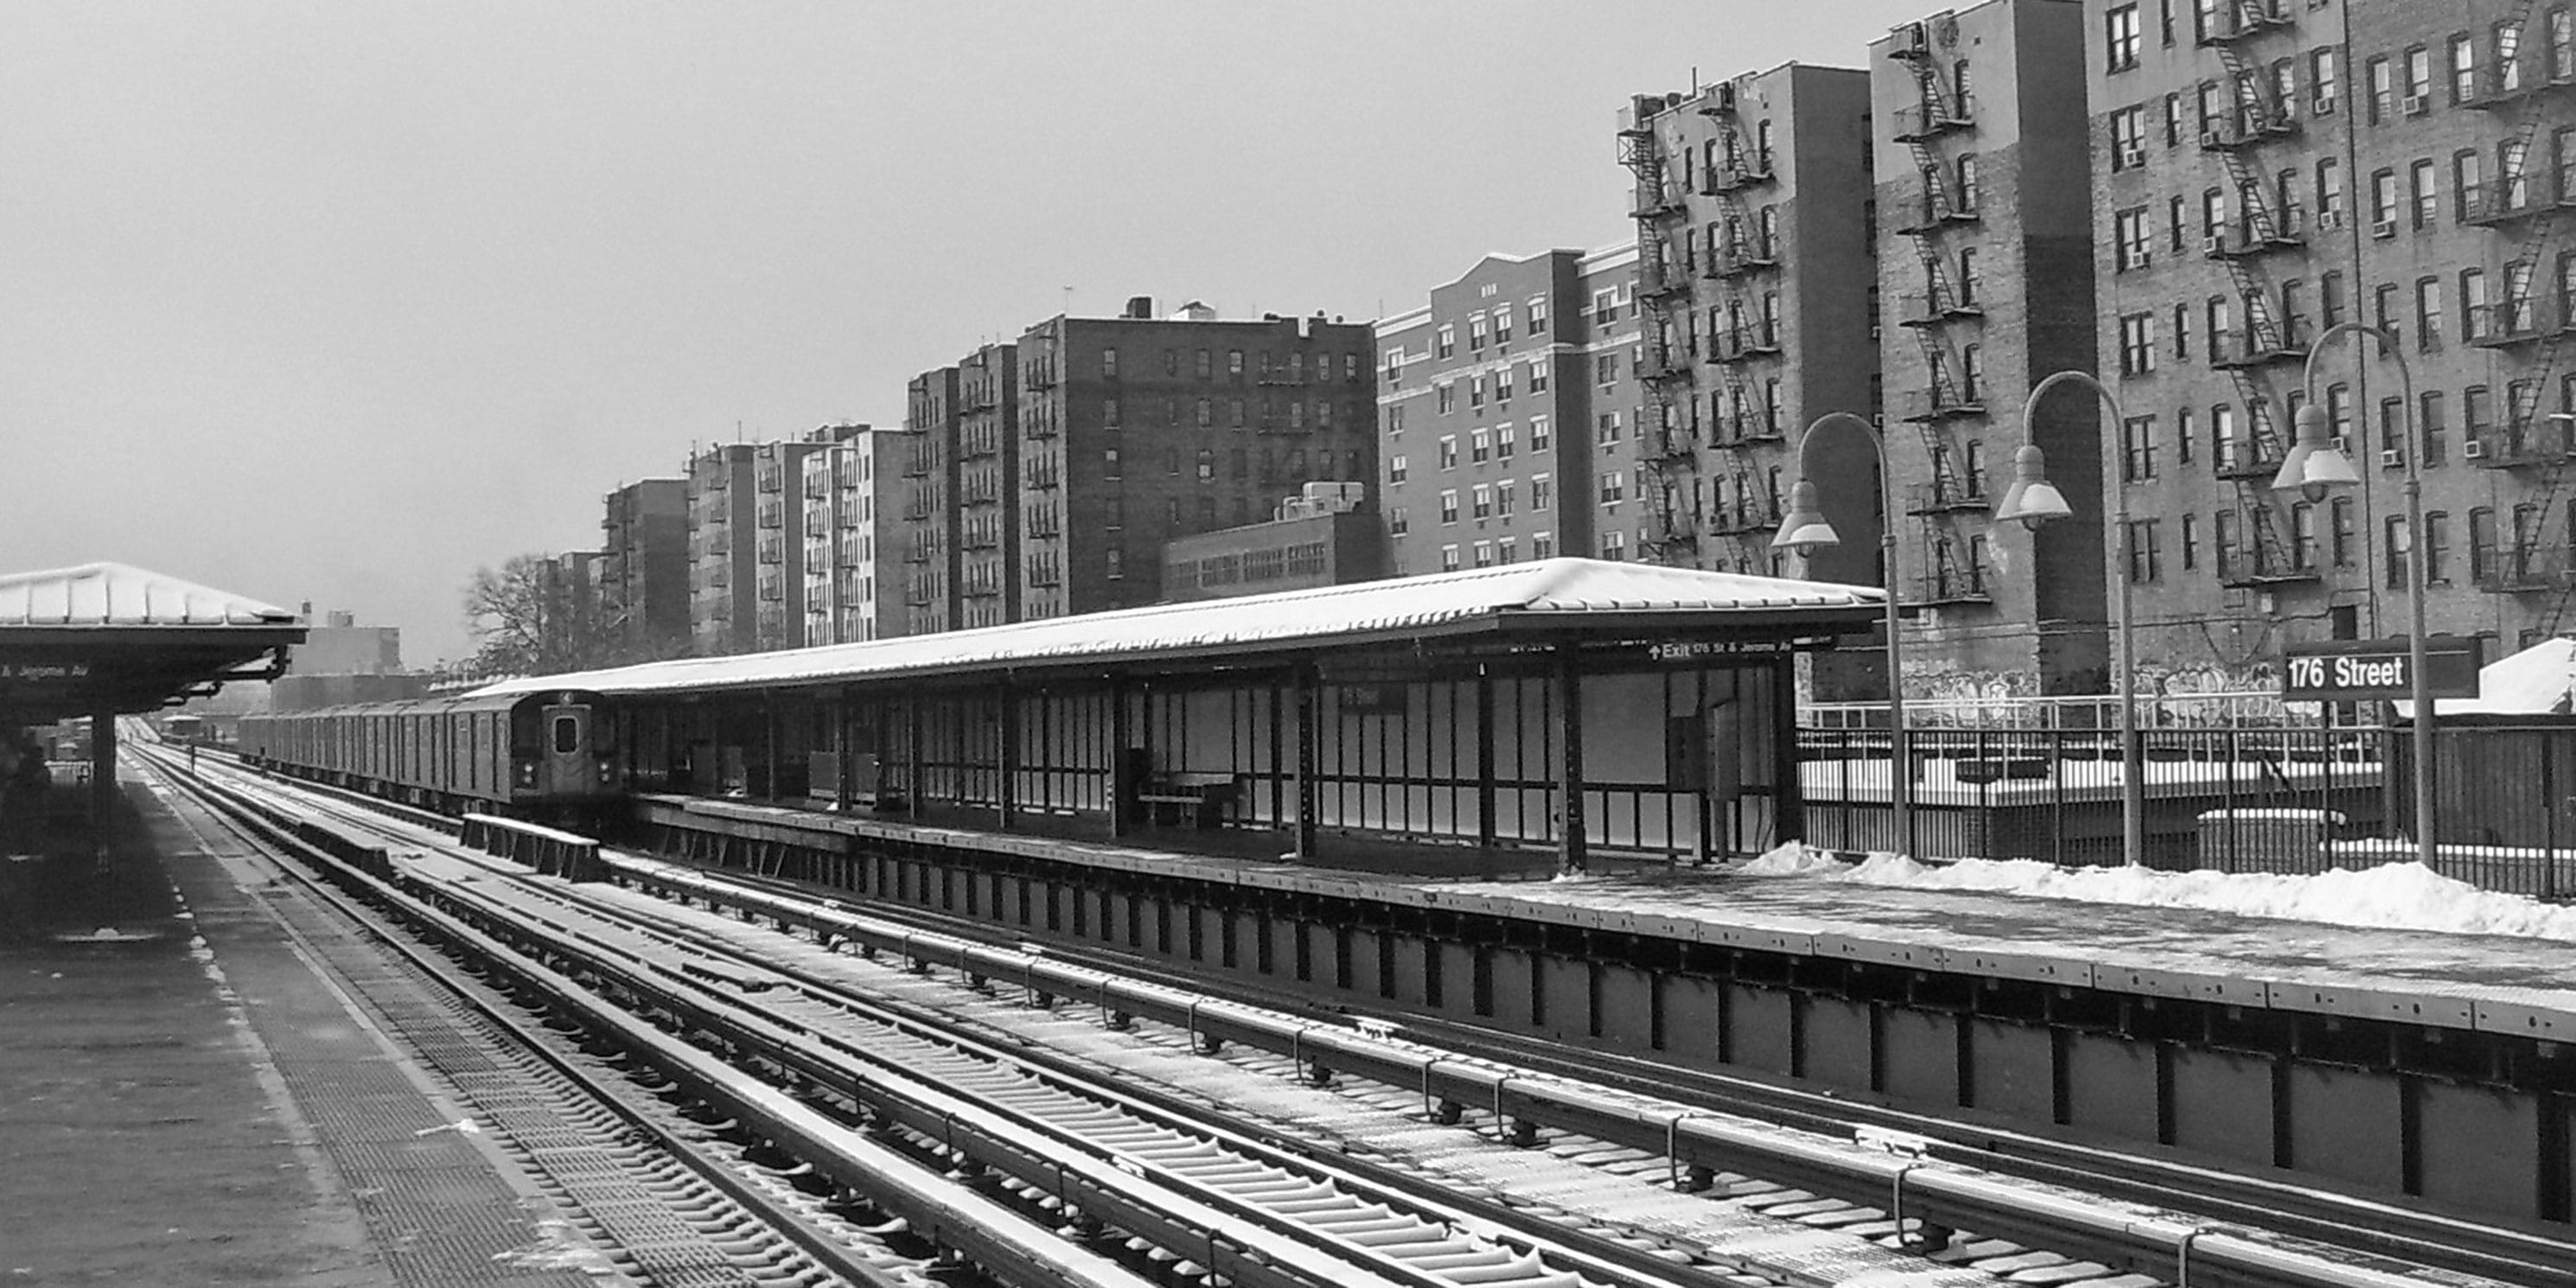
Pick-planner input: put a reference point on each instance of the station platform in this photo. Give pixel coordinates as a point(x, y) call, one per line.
point(2508, 985)
point(190, 1095)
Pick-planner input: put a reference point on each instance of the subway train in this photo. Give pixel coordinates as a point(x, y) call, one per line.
point(551, 754)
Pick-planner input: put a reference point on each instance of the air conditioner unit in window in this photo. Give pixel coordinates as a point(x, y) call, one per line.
point(2343, 444)
point(2325, 105)
point(2132, 156)
point(2415, 104)
point(2473, 450)
point(2328, 221)
point(2389, 458)
point(2384, 228)
point(2214, 245)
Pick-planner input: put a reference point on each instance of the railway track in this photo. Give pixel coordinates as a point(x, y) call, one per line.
point(1921, 1194)
point(1074, 1158)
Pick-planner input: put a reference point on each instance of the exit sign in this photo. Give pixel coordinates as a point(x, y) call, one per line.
point(2354, 670)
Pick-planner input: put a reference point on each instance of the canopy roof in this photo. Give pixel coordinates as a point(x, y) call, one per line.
point(2538, 681)
point(1561, 598)
point(74, 641)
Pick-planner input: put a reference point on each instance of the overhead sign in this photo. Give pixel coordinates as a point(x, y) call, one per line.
point(2355, 670)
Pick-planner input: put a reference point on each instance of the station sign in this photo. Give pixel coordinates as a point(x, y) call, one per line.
point(2357, 670)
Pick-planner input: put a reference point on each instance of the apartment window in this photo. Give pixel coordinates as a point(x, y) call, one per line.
point(1207, 465)
point(2177, 215)
point(2429, 423)
point(2468, 184)
point(1605, 369)
point(1476, 332)
point(1768, 222)
point(1449, 451)
point(1968, 182)
point(1972, 372)
point(1109, 411)
point(2185, 427)
point(1606, 429)
point(2428, 313)
point(1234, 363)
point(2303, 535)
point(1503, 493)
point(2562, 45)
point(1538, 375)
point(2128, 137)
point(2120, 33)
point(1480, 445)
point(2464, 68)
point(2129, 245)
point(2173, 120)
point(2144, 561)
point(2383, 92)
point(1109, 364)
point(2513, 182)
point(2419, 79)
point(2222, 534)
point(2138, 344)
point(2437, 548)
point(1398, 522)
point(2477, 414)
point(1542, 492)
point(1537, 313)
point(2383, 202)
point(2329, 191)
point(2482, 543)
point(1475, 391)
point(2138, 449)
point(1538, 433)
point(1206, 414)
point(1449, 505)
point(2190, 542)
point(1481, 501)
point(1395, 470)
point(1503, 324)
point(2474, 318)
point(1605, 306)
point(1503, 435)
point(1503, 383)
point(2340, 531)
point(2213, 212)
point(2392, 429)
point(2223, 447)
point(1614, 486)
point(1447, 343)
point(1446, 397)
point(2330, 298)
point(2321, 77)
point(2393, 551)
point(2219, 312)
point(1448, 558)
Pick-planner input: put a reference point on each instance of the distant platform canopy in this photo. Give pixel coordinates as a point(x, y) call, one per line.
point(109, 637)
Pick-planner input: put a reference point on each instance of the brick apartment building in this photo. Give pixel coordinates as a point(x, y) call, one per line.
point(2265, 170)
point(1506, 406)
point(958, 523)
point(721, 570)
point(1985, 286)
point(1135, 430)
point(836, 511)
point(644, 572)
point(1754, 272)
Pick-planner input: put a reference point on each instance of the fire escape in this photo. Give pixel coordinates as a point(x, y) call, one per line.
point(1669, 452)
point(2531, 80)
point(1947, 306)
point(1740, 258)
point(2257, 116)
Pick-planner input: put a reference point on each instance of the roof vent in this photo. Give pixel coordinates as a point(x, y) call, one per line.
point(1139, 306)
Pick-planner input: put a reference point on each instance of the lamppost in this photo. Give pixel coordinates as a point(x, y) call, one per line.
point(1804, 529)
point(2316, 465)
point(2032, 500)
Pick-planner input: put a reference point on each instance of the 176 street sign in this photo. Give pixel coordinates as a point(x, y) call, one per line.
point(2353, 670)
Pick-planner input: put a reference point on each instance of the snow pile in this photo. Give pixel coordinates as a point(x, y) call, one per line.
point(2398, 896)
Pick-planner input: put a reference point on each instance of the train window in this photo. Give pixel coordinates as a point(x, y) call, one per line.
point(567, 735)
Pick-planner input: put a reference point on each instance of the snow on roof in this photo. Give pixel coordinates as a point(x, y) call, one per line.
point(1550, 589)
point(2538, 681)
point(114, 594)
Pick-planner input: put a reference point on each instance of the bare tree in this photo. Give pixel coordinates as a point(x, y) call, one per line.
point(539, 616)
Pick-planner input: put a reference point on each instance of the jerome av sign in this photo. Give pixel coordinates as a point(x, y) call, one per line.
point(2350, 670)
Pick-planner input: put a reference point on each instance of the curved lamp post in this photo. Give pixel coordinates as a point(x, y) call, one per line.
point(2316, 465)
point(2032, 500)
point(1804, 529)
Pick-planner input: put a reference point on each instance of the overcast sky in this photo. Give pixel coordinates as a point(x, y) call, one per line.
point(336, 301)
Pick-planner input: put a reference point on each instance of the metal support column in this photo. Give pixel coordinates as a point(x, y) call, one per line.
point(842, 796)
point(1006, 753)
point(1122, 783)
point(915, 790)
point(1485, 757)
point(1571, 842)
point(1788, 789)
point(102, 776)
point(1309, 801)
point(769, 723)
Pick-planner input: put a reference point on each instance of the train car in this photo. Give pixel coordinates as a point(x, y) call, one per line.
point(546, 754)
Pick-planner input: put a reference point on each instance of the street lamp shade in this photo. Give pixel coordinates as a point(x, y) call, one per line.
point(1804, 528)
point(2314, 465)
point(2031, 500)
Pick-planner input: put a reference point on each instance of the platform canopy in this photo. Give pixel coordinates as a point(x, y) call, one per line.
point(109, 637)
point(1548, 601)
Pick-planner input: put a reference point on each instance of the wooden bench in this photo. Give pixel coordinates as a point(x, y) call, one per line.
point(1204, 799)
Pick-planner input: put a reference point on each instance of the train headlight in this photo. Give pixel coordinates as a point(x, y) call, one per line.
point(527, 773)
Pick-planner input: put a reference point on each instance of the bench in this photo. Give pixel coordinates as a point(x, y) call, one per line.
point(551, 853)
point(1204, 799)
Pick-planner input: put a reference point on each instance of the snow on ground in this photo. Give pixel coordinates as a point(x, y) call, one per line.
point(2396, 896)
